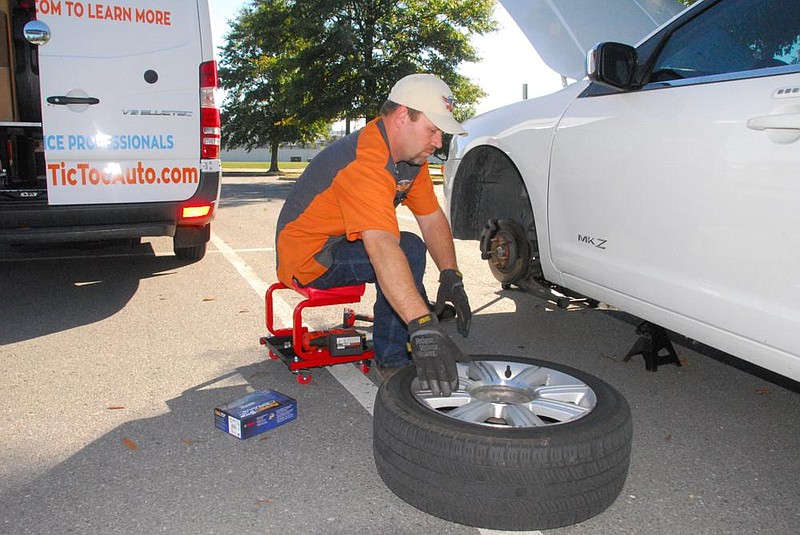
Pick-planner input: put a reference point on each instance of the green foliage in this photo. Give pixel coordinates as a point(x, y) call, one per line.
point(293, 67)
point(260, 109)
point(358, 49)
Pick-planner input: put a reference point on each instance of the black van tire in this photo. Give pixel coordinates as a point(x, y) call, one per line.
point(504, 478)
point(195, 252)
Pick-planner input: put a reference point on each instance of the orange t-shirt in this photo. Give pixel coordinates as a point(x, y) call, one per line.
point(351, 186)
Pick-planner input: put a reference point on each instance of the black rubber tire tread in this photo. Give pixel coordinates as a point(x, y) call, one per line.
point(195, 252)
point(498, 478)
point(521, 264)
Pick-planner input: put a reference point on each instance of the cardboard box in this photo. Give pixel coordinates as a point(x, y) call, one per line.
point(255, 413)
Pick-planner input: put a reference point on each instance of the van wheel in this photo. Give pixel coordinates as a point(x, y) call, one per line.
point(195, 252)
point(523, 444)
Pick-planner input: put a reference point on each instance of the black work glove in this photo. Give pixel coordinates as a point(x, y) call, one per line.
point(434, 355)
point(451, 288)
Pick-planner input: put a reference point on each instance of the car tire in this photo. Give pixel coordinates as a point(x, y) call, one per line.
point(499, 476)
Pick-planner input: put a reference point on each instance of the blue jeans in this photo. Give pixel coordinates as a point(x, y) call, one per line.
point(351, 266)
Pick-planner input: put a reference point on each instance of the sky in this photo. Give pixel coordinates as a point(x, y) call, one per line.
point(509, 60)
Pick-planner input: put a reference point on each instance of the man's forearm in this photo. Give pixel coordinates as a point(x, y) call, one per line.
point(439, 240)
point(394, 274)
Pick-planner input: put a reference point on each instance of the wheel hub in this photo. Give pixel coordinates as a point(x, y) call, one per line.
point(503, 250)
point(506, 395)
point(505, 244)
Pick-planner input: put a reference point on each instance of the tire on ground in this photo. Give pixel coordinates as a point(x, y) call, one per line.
point(502, 478)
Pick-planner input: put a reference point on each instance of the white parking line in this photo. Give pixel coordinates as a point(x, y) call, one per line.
point(357, 384)
point(350, 377)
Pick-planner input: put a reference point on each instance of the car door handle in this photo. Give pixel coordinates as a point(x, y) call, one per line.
point(63, 100)
point(783, 121)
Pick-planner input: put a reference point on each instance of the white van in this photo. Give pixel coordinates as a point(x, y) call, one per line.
point(108, 123)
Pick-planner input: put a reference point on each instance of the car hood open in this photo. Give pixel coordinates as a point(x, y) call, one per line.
point(562, 32)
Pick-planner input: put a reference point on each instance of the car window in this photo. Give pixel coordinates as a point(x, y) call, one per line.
point(732, 36)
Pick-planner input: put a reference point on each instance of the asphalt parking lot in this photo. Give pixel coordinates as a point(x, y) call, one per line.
point(113, 360)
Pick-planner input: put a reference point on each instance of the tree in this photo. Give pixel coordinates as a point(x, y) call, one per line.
point(357, 50)
point(260, 108)
point(294, 66)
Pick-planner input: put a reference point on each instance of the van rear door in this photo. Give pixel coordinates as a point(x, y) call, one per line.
point(120, 100)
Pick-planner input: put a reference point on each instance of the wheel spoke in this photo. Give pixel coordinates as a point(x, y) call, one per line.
point(521, 416)
point(457, 399)
point(557, 410)
point(576, 394)
point(475, 411)
point(532, 377)
point(483, 371)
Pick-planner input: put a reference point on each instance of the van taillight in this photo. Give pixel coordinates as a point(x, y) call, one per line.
point(191, 212)
point(210, 132)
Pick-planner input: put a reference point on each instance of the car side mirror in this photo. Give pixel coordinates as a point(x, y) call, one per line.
point(612, 64)
point(444, 151)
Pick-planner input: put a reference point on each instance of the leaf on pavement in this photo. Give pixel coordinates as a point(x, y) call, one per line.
point(130, 443)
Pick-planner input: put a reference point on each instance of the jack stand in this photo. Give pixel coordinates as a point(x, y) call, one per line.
point(652, 340)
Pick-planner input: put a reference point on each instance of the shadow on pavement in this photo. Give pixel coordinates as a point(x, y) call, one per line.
point(243, 193)
point(46, 289)
point(177, 473)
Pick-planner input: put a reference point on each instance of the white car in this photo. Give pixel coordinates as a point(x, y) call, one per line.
point(667, 184)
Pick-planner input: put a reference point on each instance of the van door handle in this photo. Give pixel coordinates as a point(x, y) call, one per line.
point(782, 121)
point(63, 100)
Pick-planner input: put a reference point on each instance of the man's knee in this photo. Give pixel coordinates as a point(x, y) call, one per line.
point(416, 252)
point(413, 246)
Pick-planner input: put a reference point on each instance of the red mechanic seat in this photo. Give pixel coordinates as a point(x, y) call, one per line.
point(287, 344)
point(340, 292)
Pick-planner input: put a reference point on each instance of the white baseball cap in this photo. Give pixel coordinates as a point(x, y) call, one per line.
point(431, 96)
